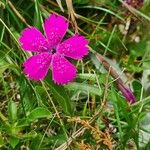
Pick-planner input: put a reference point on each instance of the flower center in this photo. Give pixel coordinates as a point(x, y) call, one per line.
point(53, 51)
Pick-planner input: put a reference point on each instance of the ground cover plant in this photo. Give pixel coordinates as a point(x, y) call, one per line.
point(74, 74)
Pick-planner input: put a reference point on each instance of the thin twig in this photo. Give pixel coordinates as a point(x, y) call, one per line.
point(78, 133)
point(81, 130)
point(72, 15)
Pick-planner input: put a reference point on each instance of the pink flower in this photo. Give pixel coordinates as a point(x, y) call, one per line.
point(52, 53)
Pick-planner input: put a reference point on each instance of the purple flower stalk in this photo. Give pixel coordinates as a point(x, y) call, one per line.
point(127, 93)
point(51, 51)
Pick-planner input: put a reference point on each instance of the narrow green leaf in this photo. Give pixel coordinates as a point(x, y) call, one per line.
point(87, 76)
point(29, 135)
point(60, 5)
point(12, 111)
point(137, 89)
point(84, 88)
point(3, 66)
point(105, 10)
point(114, 100)
point(38, 17)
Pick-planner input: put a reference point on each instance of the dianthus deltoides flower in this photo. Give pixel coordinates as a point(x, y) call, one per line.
point(51, 51)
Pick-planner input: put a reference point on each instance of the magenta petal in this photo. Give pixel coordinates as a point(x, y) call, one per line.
point(33, 40)
point(55, 28)
point(62, 70)
point(74, 47)
point(36, 67)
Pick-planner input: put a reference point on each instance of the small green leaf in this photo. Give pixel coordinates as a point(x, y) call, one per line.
point(38, 113)
point(35, 142)
point(13, 142)
point(146, 64)
point(12, 111)
point(1, 141)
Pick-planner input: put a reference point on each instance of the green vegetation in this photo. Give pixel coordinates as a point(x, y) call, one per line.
point(89, 113)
